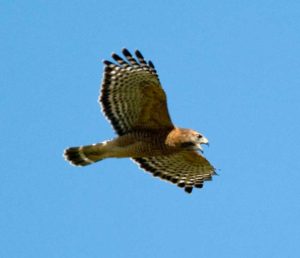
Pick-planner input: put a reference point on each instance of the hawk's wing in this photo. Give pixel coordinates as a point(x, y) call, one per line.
point(187, 169)
point(132, 97)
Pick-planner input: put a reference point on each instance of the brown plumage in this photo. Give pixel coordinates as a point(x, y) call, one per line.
point(135, 104)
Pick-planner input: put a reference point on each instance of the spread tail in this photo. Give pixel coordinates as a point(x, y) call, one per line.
point(85, 155)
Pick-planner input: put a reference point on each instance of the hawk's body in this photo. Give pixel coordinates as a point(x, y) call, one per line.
point(135, 104)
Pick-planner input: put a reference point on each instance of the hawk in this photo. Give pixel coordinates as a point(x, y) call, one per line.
point(134, 102)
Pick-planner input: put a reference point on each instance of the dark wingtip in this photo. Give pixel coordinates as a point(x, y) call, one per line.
point(188, 189)
point(138, 54)
point(126, 52)
point(106, 62)
point(116, 57)
point(124, 49)
point(181, 184)
point(151, 64)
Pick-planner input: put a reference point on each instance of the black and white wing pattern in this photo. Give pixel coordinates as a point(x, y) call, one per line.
point(187, 169)
point(131, 95)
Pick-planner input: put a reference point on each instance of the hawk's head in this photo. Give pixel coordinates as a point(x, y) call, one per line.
point(187, 139)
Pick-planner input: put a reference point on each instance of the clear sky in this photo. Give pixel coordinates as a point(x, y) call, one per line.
point(231, 71)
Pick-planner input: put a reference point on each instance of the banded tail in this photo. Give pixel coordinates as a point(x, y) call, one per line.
point(85, 155)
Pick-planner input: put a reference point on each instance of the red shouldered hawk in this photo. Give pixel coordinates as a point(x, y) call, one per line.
point(135, 104)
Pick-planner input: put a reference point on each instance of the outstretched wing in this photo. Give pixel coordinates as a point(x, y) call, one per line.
point(132, 97)
point(187, 169)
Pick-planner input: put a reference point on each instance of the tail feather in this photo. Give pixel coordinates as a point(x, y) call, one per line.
point(84, 155)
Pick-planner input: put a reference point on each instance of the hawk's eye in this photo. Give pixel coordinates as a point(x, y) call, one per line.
point(199, 136)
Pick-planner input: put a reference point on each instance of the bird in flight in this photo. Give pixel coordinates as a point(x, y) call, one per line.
point(135, 103)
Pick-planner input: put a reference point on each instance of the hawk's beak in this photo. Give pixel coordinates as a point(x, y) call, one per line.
point(203, 141)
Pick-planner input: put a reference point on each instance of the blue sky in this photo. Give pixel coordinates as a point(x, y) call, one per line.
point(230, 70)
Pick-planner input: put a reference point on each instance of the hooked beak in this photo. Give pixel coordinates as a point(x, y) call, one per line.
point(203, 141)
